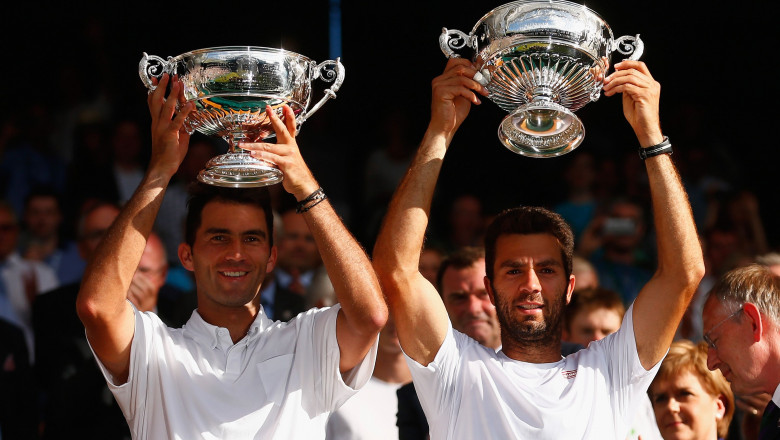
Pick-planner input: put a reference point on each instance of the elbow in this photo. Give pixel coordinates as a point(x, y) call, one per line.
point(685, 275)
point(86, 309)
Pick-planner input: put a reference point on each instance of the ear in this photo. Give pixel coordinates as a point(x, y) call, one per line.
point(269, 266)
point(570, 288)
point(489, 290)
point(185, 256)
point(720, 407)
point(757, 327)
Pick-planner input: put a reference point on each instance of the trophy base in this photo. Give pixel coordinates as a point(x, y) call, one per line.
point(239, 170)
point(541, 129)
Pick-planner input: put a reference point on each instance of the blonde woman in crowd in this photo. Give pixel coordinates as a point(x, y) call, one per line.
point(689, 400)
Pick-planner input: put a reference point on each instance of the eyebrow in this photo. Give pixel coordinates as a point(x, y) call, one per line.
point(550, 262)
point(258, 232)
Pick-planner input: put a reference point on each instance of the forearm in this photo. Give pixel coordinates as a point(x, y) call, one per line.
point(349, 270)
point(680, 257)
point(109, 273)
point(662, 302)
point(409, 211)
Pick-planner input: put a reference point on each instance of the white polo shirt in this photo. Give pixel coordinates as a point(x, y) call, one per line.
point(471, 392)
point(280, 381)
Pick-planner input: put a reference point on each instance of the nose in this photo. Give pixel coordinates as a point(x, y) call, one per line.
point(475, 305)
point(712, 359)
point(672, 405)
point(531, 282)
point(235, 251)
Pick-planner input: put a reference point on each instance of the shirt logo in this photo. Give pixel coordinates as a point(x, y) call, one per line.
point(569, 374)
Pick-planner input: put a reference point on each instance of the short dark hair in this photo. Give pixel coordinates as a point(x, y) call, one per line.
point(527, 220)
point(591, 299)
point(201, 194)
point(43, 191)
point(462, 258)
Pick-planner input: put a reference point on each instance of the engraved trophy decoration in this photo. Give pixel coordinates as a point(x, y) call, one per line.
point(231, 88)
point(541, 61)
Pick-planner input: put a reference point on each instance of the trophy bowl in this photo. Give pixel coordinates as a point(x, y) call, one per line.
point(541, 61)
point(231, 88)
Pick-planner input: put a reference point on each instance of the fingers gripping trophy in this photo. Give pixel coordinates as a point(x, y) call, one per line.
point(541, 61)
point(232, 89)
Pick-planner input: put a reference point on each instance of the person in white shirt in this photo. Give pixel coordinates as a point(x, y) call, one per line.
point(527, 390)
point(230, 372)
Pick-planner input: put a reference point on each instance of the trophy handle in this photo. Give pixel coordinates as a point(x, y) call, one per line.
point(334, 75)
point(629, 45)
point(454, 39)
point(152, 66)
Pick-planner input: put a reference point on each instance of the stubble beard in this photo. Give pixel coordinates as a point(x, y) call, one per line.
point(528, 332)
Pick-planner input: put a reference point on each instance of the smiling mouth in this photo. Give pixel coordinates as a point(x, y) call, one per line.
point(233, 274)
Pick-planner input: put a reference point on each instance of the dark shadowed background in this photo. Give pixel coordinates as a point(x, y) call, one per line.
point(715, 64)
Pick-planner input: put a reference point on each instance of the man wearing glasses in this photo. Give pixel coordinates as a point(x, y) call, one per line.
point(741, 321)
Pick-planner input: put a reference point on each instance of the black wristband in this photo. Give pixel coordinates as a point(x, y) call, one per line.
point(313, 200)
point(665, 147)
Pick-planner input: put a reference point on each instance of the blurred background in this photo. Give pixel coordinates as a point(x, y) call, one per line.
point(69, 66)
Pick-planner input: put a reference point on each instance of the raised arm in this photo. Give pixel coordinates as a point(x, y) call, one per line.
point(419, 314)
point(102, 301)
point(363, 310)
point(662, 301)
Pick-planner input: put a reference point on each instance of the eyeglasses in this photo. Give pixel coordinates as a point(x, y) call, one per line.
point(706, 336)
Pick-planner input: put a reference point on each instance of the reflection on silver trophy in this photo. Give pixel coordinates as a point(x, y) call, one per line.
point(231, 88)
point(541, 61)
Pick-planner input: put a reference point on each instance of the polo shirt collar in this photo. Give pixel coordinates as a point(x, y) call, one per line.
point(210, 335)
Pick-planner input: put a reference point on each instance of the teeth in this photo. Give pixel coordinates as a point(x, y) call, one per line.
point(234, 274)
point(530, 307)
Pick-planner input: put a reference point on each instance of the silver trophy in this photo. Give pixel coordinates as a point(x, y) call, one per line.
point(541, 61)
point(231, 88)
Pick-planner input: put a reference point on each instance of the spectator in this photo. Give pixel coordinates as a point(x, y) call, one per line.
point(740, 323)
point(689, 400)
point(579, 207)
point(21, 280)
point(285, 294)
point(592, 314)
point(614, 245)
point(584, 273)
point(43, 238)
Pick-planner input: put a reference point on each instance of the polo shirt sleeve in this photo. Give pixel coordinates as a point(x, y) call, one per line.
point(627, 378)
point(318, 353)
point(131, 395)
point(437, 384)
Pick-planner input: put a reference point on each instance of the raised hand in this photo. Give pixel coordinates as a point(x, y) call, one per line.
point(298, 179)
point(453, 93)
point(169, 138)
point(641, 97)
